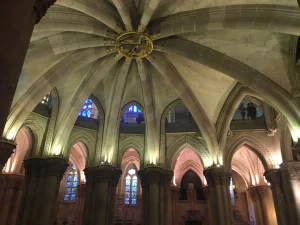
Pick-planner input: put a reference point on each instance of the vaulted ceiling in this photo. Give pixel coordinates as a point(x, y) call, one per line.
point(201, 50)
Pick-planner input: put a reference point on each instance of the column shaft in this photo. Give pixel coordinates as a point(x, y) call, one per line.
point(218, 179)
point(100, 196)
point(156, 186)
point(42, 181)
point(258, 195)
point(284, 215)
point(18, 18)
point(10, 189)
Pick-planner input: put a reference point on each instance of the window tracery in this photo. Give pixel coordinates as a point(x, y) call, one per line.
point(131, 187)
point(89, 110)
point(71, 184)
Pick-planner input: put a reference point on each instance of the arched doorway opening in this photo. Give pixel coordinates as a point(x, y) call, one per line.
point(70, 203)
point(128, 199)
point(253, 201)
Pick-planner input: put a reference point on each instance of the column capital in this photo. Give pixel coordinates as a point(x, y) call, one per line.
point(102, 173)
point(41, 7)
point(258, 192)
point(217, 176)
point(292, 169)
point(6, 149)
point(273, 176)
point(45, 167)
point(155, 175)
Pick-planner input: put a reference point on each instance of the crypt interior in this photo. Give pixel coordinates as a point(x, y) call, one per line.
point(150, 112)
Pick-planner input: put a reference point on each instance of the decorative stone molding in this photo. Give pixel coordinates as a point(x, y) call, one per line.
point(162, 141)
point(258, 192)
point(130, 143)
point(45, 167)
point(217, 176)
point(102, 173)
point(37, 124)
point(155, 175)
point(51, 123)
point(83, 135)
point(6, 149)
point(198, 145)
point(41, 7)
point(292, 170)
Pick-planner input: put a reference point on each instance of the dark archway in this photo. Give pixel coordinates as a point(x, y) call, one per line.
point(191, 177)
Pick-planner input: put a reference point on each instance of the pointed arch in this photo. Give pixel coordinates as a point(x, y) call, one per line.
point(254, 145)
point(230, 106)
point(130, 160)
point(87, 139)
point(128, 143)
point(129, 104)
point(199, 146)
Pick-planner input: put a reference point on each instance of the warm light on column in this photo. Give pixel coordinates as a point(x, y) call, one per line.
point(56, 150)
point(11, 134)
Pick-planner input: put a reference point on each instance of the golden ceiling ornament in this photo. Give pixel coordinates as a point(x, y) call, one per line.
point(134, 45)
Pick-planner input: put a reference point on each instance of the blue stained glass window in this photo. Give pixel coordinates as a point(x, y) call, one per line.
point(69, 178)
point(131, 184)
point(47, 99)
point(71, 184)
point(89, 110)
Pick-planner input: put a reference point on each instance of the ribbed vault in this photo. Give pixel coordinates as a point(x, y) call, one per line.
point(121, 52)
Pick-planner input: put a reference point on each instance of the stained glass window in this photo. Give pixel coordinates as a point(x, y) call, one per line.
point(47, 99)
point(89, 110)
point(71, 184)
point(131, 187)
point(132, 115)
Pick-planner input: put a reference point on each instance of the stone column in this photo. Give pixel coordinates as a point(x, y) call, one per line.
point(81, 190)
point(101, 184)
point(11, 187)
point(283, 214)
point(207, 198)
point(290, 175)
point(175, 194)
point(6, 149)
point(218, 180)
point(258, 196)
point(17, 19)
point(42, 181)
point(156, 184)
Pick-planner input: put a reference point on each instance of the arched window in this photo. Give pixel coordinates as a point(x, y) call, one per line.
point(47, 99)
point(132, 115)
point(71, 184)
point(89, 110)
point(131, 185)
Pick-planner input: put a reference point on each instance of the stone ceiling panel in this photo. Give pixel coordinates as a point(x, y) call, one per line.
point(264, 51)
point(169, 7)
point(210, 87)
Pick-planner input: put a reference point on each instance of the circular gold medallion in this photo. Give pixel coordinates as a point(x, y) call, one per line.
point(134, 45)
